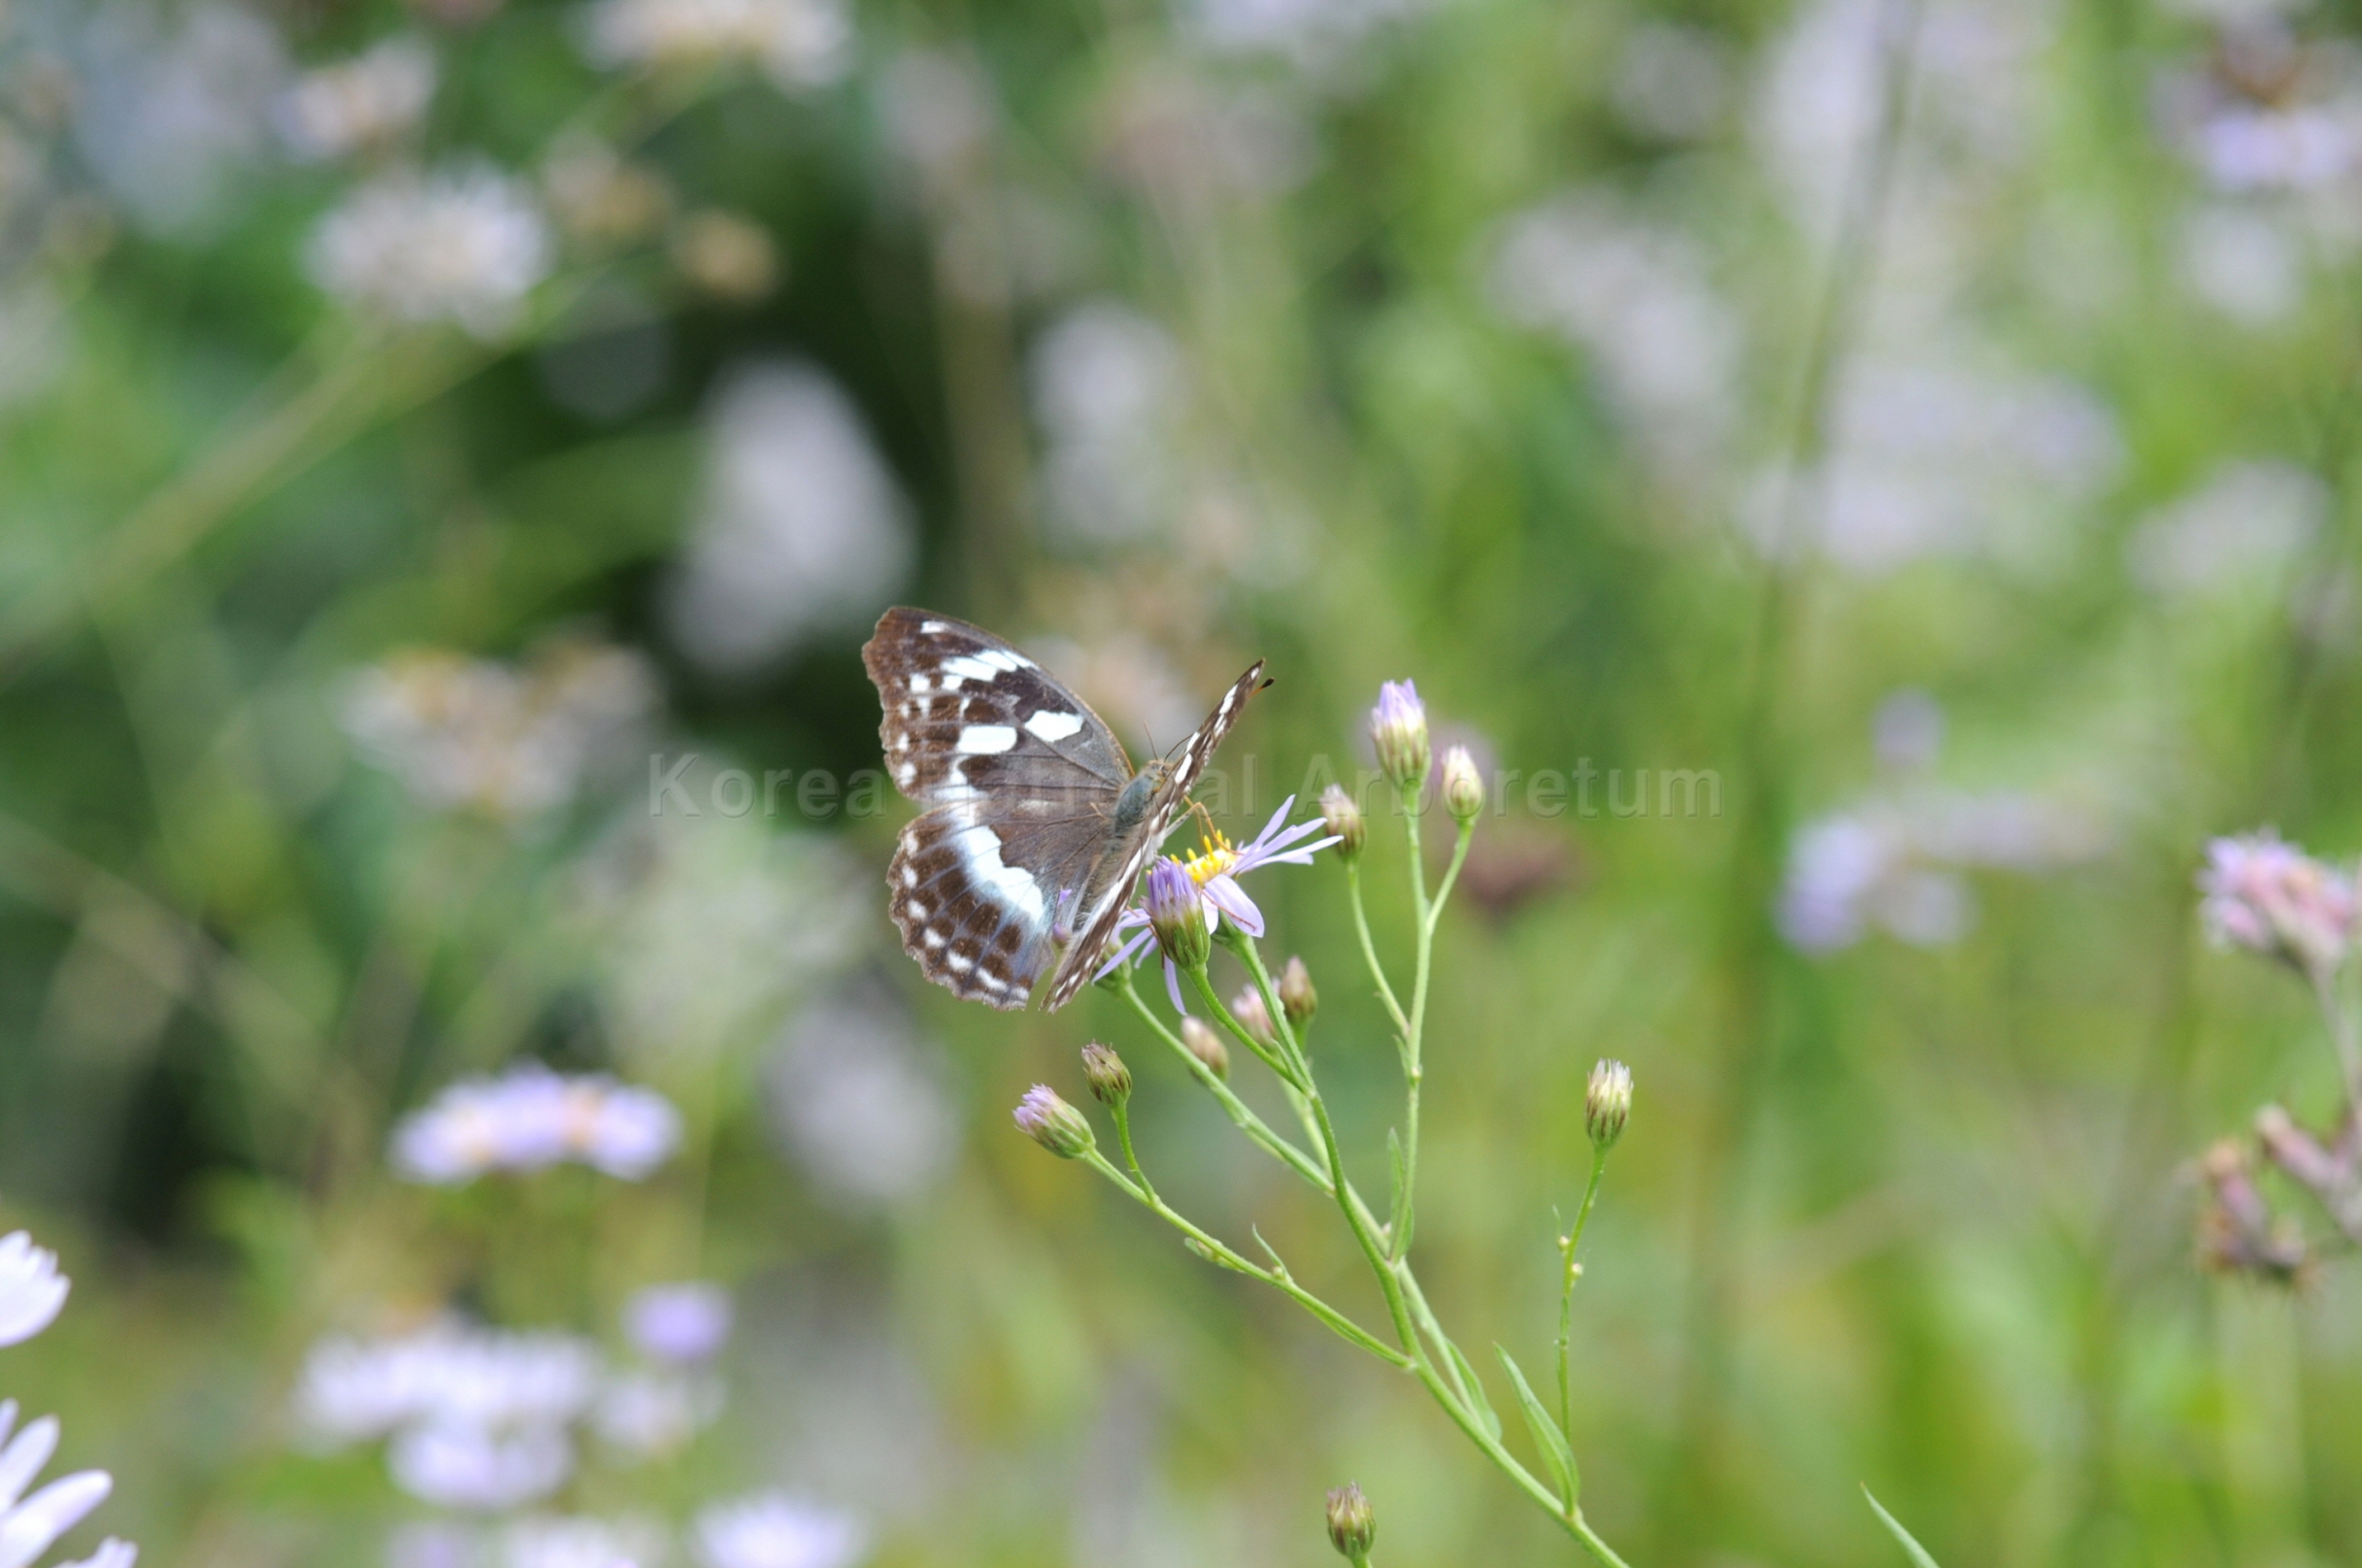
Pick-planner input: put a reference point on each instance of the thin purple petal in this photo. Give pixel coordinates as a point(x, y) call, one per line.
point(1224, 893)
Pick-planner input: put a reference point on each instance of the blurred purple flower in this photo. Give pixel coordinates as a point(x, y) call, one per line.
point(454, 1465)
point(772, 1530)
point(2273, 898)
point(530, 1118)
point(685, 1322)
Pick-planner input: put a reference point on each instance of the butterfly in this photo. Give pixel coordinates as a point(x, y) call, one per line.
point(1037, 826)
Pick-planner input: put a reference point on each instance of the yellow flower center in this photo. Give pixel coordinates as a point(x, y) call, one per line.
point(1214, 857)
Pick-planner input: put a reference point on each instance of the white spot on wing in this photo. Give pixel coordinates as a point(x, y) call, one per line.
point(1013, 886)
point(974, 739)
point(932, 626)
point(985, 666)
point(1051, 726)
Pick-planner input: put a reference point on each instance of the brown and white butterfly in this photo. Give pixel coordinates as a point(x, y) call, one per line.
point(1037, 826)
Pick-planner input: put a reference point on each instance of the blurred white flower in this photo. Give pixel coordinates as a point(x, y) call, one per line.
point(801, 531)
point(1894, 865)
point(858, 1099)
point(1635, 296)
point(372, 100)
point(31, 1290)
point(28, 1525)
point(460, 1466)
point(507, 740)
point(652, 1413)
point(465, 244)
point(2246, 521)
point(2244, 261)
point(172, 102)
point(772, 1530)
point(1822, 97)
point(1907, 732)
point(1672, 82)
point(682, 1323)
point(1315, 35)
point(446, 1374)
point(435, 1544)
point(798, 44)
point(708, 931)
point(1107, 389)
point(529, 1119)
point(1929, 459)
point(546, 1541)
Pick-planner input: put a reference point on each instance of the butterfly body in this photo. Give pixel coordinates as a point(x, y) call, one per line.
point(1037, 826)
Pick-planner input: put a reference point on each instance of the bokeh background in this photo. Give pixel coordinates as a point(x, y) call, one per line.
point(1933, 417)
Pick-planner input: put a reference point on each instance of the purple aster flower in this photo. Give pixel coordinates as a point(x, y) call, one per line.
point(1215, 869)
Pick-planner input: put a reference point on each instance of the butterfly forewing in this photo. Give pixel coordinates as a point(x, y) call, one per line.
point(1021, 778)
point(1019, 843)
point(1095, 926)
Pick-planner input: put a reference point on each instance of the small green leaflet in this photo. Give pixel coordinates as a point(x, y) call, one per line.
point(1918, 1553)
point(1476, 1390)
point(1555, 1454)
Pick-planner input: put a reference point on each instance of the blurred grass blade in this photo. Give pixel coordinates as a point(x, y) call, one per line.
point(1918, 1553)
point(1552, 1443)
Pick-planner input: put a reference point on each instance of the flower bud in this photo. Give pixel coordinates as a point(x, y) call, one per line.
point(1606, 1103)
point(1110, 1081)
point(1176, 914)
point(1206, 1045)
point(1463, 788)
point(1297, 998)
point(1352, 1523)
point(1344, 819)
point(1052, 1124)
point(1253, 1016)
point(1398, 730)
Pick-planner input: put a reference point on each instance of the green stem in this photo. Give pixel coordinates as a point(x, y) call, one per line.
point(1124, 1135)
point(1342, 1190)
point(1278, 1277)
point(1566, 1298)
point(1369, 949)
point(1241, 1113)
point(1425, 912)
point(2341, 1030)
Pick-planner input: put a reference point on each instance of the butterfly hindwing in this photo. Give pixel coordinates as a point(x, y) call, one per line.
point(1020, 778)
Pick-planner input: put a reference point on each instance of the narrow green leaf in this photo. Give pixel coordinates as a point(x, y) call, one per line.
point(1394, 1166)
point(1918, 1553)
point(1476, 1390)
point(1557, 1454)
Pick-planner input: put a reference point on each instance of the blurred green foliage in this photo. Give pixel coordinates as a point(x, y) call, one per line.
point(1475, 341)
